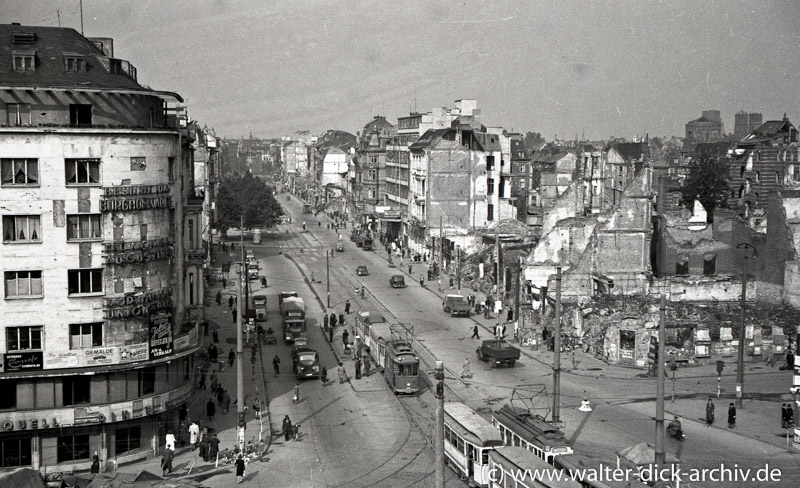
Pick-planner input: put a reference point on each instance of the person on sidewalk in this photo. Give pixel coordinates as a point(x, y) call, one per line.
point(170, 440)
point(215, 336)
point(230, 302)
point(325, 321)
point(341, 373)
point(358, 368)
point(510, 315)
point(367, 362)
point(731, 416)
point(276, 365)
point(166, 462)
point(787, 415)
point(219, 297)
point(95, 469)
point(226, 402)
point(287, 428)
point(194, 434)
point(210, 409)
point(465, 373)
point(332, 320)
point(345, 338)
point(475, 332)
point(231, 357)
point(330, 335)
point(239, 469)
point(341, 319)
point(709, 412)
point(203, 447)
point(213, 448)
point(347, 307)
point(233, 315)
point(323, 376)
point(224, 282)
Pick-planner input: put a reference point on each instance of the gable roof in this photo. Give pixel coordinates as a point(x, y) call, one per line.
point(378, 123)
point(631, 150)
point(769, 130)
point(426, 139)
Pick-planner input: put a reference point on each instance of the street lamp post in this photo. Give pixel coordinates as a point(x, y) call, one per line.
point(740, 360)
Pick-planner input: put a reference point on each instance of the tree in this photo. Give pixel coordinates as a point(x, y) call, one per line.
point(533, 141)
point(707, 183)
point(249, 197)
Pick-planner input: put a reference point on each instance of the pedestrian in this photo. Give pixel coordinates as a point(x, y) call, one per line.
point(224, 282)
point(219, 297)
point(475, 332)
point(166, 462)
point(202, 384)
point(345, 337)
point(323, 376)
point(213, 448)
point(226, 402)
point(790, 359)
point(233, 315)
point(230, 302)
point(325, 321)
point(257, 407)
point(95, 464)
point(332, 319)
point(709, 412)
point(465, 373)
point(231, 357)
point(287, 428)
point(194, 434)
point(276, 365)
point(731, 416)
point(341, 319)
point(358, 368)
point(347, 307)
point(787, 415)
point(212, 353)
point(210, 409)
point(330, 335)
point(341, 373)
point(203, 447)
point(367, 363)
point(510, 315)
point(215, 336)
point(182, 412)
point(170, 440)
point(264, 281)
point(239, 469)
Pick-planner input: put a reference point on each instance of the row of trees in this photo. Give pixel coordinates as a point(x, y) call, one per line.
point(249, 197)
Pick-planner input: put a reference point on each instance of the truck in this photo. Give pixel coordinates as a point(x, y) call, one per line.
point(456, 305)
point(498, 352)
point(293, 317)
point(367, 244)
point(260, 304)
point(305, 361)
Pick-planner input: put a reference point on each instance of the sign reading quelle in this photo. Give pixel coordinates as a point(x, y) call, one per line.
point(23, 361)
point(161, 343)
point(126, 198)
point(137, 251)
point(137, 305)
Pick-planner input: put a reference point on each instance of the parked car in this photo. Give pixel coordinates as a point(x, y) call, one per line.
point(456, 305)
point(362, 270)
point(397, 281)
point(252, 271)
point(340, 246)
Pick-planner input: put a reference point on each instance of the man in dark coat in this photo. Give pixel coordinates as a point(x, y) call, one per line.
point(287, 428)
point(276, 365)
point(230, 302)
point(475, 332)
point(231, 357)
point(332, 320)
point(358, 368)
point(166, 462)
point(345, 337)
point(213, 448)
point(347, 307)
point(731, 416)
point(211, 409)
point(710, 412)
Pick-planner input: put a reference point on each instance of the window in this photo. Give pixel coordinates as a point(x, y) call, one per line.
point(19, 114)
point(74, 63)
point(171, 168)
point(85, 281)
point(682, 267)
point(191, 233)
point(24, 338)
point(82, 171)
point(138, 164)
point(490, 186)
point(489, 163)
point(15, 452)
point(709, 264)
point(8, 400)
point(373, 159)
point(22, 228)
point(80, 114)
point(76, 390)
point(83, 227)
point(25, 284)
point(72, 448)
point(24, 61)
point(85, 335)
point(147, 381)
point(19, 171)
point(372, 194)
point(490, 212)
point(128, 439)
point(372, 175)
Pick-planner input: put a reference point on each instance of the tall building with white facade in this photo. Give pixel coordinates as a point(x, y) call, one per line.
point(101, 254)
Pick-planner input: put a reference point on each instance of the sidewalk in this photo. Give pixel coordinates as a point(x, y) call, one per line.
point(223, 425)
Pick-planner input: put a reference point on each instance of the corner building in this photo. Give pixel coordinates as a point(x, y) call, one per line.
point(97, 355)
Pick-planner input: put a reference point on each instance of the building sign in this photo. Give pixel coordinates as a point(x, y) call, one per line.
point(137, 251)
point(126, 198)
point(23, 361)
point(132, 306)
point(134, 352)
point(161, 343)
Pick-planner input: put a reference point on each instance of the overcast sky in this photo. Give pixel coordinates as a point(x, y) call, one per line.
point(603, 68)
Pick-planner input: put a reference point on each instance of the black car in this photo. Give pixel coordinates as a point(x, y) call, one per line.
point(362, 271)
point(397, 281)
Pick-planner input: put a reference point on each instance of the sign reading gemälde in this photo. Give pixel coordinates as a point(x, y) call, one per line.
point(125, 198)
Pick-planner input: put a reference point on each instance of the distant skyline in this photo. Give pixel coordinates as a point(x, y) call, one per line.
point(599, 68)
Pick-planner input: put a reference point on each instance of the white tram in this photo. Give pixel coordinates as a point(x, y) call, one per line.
point(519, 428)
point(517, 467)
point(468, 438)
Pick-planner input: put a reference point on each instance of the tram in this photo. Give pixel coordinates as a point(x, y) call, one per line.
point(519, 428)
point(516, 467)
point(468, 440)
point(396, 358)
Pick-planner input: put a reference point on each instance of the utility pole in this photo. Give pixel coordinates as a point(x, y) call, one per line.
point(499, 275)
point(660, 456)
point(557, 350)
point(742, 334)
point(441, 248)
point(328, 273)
point(438, 374)
point(239, 339)
point(458, 267)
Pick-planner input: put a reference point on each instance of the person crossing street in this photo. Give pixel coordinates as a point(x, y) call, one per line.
point(276, 365)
